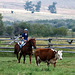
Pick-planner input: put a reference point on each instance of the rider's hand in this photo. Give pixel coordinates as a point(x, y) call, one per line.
point(25, 41)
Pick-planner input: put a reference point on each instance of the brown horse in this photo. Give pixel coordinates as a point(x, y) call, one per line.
point(27, 49)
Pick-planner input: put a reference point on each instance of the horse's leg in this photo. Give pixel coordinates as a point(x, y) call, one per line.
point(30, 57)
point(19, 57)
point(24, 58)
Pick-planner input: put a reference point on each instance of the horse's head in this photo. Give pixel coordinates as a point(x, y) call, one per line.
point(33, 42)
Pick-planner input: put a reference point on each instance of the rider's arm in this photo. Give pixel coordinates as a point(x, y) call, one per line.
point(27, 38)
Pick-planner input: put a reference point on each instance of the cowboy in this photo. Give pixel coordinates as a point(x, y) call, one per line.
point(24, 38)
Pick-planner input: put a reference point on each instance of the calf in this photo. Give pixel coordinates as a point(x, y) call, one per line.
point(47, 55)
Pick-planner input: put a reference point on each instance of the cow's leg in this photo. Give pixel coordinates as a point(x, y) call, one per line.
point(19, 57)
point(24, 58)
point(39, 61)
point(30, 57)
point(55, 64)
point(36, 60)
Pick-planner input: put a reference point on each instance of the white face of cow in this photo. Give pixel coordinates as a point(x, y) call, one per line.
point(58, 55)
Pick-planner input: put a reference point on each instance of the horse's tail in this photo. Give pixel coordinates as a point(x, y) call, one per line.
point(16, 48)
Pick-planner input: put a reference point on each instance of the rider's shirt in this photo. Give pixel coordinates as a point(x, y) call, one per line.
point(25, 36)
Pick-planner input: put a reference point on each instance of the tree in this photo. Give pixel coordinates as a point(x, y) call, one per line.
point(60, 31)
point(1, 25)
point(52, 8)
point(32, 7)
point(19, 27)
point(9, 30)
point(28, 6)
point(38, 6)
point(73, 29)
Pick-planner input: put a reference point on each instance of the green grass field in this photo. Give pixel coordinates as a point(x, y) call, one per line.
point(10, 66)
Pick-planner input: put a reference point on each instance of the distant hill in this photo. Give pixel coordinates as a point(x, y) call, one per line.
point(69, 4)
point(65, 10)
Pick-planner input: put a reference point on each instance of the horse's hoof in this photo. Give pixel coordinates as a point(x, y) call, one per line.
point(19, 62)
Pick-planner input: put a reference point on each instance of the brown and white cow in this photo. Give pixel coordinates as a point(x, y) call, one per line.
point(47, 55)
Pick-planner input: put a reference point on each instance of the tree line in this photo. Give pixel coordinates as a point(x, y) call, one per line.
point(35, 30)
point(40, 28)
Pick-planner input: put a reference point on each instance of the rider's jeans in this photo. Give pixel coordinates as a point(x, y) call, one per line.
point(21, 44)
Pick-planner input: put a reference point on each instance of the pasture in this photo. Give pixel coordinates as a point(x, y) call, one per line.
point(9, 66)
point(22, 15)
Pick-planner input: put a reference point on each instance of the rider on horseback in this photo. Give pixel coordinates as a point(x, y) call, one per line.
point(24, 38)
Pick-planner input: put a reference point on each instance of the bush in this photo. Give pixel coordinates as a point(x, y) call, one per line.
point(19, 27)
point(73, 29)
point(9, 30)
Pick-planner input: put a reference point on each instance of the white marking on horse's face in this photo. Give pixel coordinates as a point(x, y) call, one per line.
point(59, 55)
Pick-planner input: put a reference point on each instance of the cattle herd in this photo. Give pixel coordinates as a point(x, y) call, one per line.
point(47, 55)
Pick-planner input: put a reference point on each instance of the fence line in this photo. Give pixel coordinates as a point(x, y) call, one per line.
point(49, 45)
point(42, 39)
point(13, 51)
point(45, 47)
point(45, 44)
point(7, 51)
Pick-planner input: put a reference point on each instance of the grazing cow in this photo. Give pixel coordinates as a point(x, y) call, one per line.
point(47, 55)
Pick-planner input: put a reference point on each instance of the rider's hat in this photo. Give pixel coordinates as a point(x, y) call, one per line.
point(25, 29)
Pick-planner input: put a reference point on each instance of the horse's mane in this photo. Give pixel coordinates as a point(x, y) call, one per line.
point(30, 40)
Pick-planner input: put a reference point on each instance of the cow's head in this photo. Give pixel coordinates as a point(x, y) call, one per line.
point(58, 55)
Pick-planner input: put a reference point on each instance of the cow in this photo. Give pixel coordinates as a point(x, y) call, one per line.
point(47, 55)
